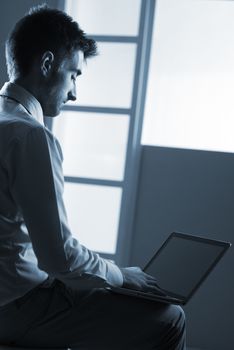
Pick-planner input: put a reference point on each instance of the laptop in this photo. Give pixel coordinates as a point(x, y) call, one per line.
point(180, 266)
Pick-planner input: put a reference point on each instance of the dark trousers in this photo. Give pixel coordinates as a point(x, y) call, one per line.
point(57, 316)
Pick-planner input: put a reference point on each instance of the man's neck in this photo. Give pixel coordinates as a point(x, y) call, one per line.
point(29, 85)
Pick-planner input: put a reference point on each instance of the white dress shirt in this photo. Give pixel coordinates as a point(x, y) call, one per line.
point(35, 239)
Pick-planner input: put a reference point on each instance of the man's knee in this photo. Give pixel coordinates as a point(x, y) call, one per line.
point(176, 318)
point(173, 317)
point(173, 328)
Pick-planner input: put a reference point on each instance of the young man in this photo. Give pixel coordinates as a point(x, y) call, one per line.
point(52, 288)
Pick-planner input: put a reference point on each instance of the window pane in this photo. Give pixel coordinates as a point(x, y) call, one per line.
point(190, 90)
point(108, 78)
point(93, 215)
point(94, 145)
point(106, 17)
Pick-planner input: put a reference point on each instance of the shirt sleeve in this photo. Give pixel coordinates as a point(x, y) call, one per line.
point(37, 187)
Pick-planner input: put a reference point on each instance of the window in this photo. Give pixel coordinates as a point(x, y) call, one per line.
point(99, 133)
point(114, 66)
point(93, 215)
point(103, 17)
point(94, 145)
point(189, 101)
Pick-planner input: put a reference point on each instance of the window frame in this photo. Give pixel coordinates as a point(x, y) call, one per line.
point(136, 114)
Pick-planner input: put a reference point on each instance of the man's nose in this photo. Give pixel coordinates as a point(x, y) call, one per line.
point(72, 95)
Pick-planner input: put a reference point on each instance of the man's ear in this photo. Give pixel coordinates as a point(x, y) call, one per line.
point(47, 63)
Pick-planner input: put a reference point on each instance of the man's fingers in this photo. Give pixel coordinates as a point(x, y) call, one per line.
point(153, 283)
point(149, 277)
point(155, 290)
point(151, 280)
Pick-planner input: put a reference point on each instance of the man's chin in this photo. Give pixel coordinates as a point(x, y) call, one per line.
point(53, 113)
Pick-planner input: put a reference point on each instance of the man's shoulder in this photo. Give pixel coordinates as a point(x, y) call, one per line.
point(18, 125)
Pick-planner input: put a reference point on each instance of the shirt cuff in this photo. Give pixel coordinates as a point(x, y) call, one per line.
point(114, 275)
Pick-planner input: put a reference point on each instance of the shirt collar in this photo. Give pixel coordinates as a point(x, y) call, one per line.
point(24, 97)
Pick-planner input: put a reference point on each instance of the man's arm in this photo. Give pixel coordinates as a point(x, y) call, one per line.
point(36, 182)
point(37, 187)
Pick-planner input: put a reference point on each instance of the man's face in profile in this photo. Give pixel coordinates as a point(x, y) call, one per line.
point(61, 85)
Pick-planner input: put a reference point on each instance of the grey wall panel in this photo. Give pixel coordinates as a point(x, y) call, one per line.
point(191, 191)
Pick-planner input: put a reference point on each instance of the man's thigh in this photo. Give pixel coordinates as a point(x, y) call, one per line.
point(99, 319)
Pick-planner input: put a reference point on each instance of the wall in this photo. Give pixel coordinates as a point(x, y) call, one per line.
point(10, 12)
point(191, 191)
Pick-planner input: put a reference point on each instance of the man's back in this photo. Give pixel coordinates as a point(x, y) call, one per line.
point(19, 272)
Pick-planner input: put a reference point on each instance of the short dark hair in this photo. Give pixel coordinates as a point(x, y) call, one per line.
point(44, 29)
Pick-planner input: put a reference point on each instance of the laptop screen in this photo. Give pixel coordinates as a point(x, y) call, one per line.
point(183, 262)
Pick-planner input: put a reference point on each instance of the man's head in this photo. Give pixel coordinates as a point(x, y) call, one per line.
point(45, 52)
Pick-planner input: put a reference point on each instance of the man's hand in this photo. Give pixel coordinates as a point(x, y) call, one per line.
point(135, 278)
